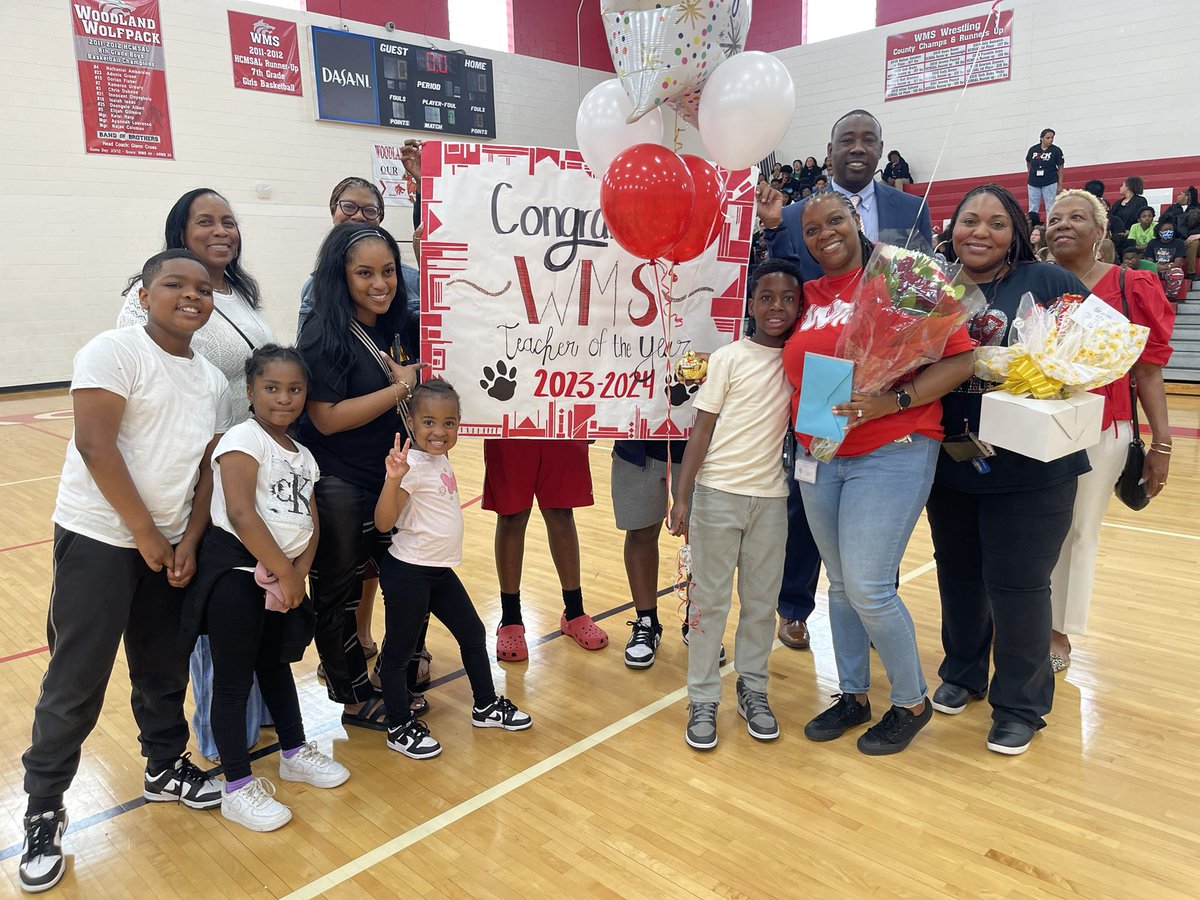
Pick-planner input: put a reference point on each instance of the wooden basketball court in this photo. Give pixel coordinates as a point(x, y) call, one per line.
point(603, 798)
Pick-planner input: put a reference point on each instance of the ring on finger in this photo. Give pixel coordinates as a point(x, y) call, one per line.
point(859, 414)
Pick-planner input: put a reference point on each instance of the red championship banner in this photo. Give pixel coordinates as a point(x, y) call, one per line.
point(122, 78)
point(944, 57)
point(545, 326)
point(266, 54)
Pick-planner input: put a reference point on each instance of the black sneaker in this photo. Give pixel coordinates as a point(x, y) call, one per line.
point(952, 699)
point(721, 661)
point(42, 862)
point(894, 731)
point(501, 713)
point(643, 643)
point(413, 740)
point(1010, 738)
point(845, 713)
point(185, 782)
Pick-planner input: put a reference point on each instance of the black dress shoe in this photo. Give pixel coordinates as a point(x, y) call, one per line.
point(952, 699)
point(1010, 738)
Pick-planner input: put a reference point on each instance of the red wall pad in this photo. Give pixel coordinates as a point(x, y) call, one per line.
point(546, 29)
point(429, 17)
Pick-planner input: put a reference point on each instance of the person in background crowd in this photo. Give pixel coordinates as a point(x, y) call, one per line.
point(820, 183)
point(359, 200)
point(1132, 259)
point(356, 405)
point(888, 215)
point(202, 221)
point(1044, 162)
point(1105, 252)
point(1125, 211)
point(1168, 253)
point(1096, 187)
point(1074, 226)
point(896, 172)
point(863, 505)
point(1184, 200)
point(1142, 231)
point(1191, 238)
point(999, 521)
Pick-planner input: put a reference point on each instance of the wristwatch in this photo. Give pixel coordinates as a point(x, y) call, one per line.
point(903, 400)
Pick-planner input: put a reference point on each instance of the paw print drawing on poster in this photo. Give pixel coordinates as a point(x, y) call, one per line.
point(501, 383)
point(680, 393)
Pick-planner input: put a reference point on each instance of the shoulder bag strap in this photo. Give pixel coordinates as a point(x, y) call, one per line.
point(1137, 434)
point(218, 311)
point(365, 339)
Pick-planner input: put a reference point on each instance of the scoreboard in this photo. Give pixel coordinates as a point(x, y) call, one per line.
point(372, 81)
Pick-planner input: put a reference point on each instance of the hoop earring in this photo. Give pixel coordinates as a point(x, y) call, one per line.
point(1096, 250)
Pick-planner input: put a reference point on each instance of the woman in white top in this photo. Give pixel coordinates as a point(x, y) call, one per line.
point(202, 221)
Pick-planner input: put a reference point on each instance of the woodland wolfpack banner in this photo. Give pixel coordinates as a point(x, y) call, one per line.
point(122, 78)
point(547, 327)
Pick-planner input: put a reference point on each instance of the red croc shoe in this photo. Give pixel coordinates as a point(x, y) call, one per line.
point(510, 644)
point(587, 634)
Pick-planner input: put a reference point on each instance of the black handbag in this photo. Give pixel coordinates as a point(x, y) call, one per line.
point(1130, 489)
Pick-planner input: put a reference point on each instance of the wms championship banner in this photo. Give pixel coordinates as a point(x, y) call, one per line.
point(545, 326)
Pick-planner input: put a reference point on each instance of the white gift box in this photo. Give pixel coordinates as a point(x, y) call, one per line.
point(1041, 429)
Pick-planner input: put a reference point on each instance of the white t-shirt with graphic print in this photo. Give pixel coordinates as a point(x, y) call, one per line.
point(429, 531)
point(283, 494)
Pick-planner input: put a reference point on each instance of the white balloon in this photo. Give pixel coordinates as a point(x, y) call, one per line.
point(601, 130)
point(745, 109)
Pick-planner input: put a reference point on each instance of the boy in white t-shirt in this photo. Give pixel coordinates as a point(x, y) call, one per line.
point(733, 474)
point(421, 507)
point(148, 411)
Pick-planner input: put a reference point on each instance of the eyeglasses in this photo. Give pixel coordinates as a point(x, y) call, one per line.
point(350, 208)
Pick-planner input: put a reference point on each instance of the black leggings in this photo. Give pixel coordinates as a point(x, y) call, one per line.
point(245, 641)
point(410, 594)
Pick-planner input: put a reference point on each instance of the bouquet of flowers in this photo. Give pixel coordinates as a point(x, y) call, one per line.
point(906, 306)
point(1066, 348)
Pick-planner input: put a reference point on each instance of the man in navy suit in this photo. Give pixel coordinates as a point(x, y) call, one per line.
point(888, 215)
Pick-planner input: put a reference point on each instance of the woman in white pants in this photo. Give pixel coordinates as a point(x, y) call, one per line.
point(1075, 225)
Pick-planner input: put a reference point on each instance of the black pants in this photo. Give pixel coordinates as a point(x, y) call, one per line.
point(245, 641)
point(410, 594)
point(801, 562)
point(994, 554)
point(348, 540)
point(100, 594)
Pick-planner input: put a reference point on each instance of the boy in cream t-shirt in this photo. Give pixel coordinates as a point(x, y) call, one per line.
point(738, 507)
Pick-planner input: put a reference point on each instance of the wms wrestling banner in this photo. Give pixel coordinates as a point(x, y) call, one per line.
point(545, 326)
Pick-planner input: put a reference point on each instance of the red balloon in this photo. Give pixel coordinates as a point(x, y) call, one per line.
point(646, 199)
point(705, 224)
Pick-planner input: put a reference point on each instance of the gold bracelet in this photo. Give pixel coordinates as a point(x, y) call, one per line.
point(396, 393)
point(1154, 449)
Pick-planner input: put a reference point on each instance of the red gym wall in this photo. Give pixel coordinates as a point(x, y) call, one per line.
point(429, 17)
point(889, 11)
point(778, 24)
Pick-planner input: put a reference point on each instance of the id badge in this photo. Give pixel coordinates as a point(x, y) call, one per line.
point(1040, 172)
point(967, 447)
point(806, 469)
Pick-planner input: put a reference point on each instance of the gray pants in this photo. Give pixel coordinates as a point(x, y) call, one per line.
point(728, 531)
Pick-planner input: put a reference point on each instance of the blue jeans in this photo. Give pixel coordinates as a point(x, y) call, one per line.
point(862, 511)
point(1042, 195)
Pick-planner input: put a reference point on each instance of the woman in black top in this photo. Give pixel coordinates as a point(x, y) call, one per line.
point(1125, 211)
point(896, 172)
point(355, 407)
point(998, 524)
point(807, 175)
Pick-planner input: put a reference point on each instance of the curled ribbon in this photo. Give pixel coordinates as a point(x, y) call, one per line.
point(1024, 377)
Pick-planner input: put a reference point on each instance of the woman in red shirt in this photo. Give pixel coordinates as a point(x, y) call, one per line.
point(862, 506)
point(1074, 226)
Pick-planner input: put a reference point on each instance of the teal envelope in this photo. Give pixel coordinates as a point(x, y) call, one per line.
point(826, 383)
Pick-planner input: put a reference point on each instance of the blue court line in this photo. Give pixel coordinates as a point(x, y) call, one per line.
point(137, 803)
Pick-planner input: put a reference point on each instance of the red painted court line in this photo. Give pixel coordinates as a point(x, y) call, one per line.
point(1176, 431)
point(34, 652)
point(21, 546)
point(472, 501)
point(44, 431)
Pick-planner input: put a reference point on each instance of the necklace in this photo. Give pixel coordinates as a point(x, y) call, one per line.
point(1084, 276)
point(837, 296)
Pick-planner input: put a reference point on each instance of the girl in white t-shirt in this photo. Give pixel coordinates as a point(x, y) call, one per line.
point(263, 533)
point(420, 505)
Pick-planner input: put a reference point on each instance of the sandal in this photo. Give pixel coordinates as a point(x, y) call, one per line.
point(418, 704)
point(370, 650)
point(372, 715)
point(425, 660)
point(510, 643)
point(587, 633)
point(1059, 663)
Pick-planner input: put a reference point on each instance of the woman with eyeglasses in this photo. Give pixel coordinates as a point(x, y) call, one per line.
point(357, 200)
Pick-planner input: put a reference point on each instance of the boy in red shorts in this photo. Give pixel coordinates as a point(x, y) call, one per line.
point(559, 475)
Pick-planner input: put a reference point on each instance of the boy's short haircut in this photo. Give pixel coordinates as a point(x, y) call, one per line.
point(773, 266)
point(155, 263)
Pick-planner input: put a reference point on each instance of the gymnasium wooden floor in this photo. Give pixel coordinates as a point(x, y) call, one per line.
point(602, 798)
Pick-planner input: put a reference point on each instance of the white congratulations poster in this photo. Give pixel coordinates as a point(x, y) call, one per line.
point(546, 327)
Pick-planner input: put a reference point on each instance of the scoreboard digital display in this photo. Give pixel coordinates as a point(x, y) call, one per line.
point(372, 81)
